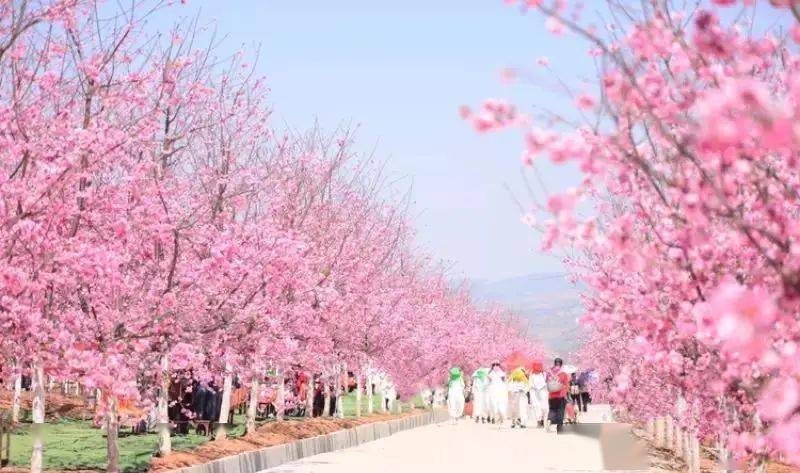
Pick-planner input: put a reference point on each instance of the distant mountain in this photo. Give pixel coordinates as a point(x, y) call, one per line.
point(548, 301)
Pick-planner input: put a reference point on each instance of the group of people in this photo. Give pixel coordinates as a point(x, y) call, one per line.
point(523, 396)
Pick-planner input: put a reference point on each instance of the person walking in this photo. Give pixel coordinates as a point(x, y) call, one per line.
point(455, 394)
point(557, 386)
point(479, 382)
point(537, 382)
point(497, 394)
point(518, 389)
point(583, 386)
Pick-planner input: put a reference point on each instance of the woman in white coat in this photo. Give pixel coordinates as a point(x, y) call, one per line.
point(538, 394)
point(518, 390)
point(455, 394)
point(497, 394)
point(479, 381)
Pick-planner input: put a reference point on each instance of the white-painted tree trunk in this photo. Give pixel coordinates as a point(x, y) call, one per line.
point(382, 391)
point(651, 429)
point(687, 448)
point(340, 406)
point(679, 442)
point(280, 399)
point(669, 434)
point(162, 413)
point(694, 454)
point(252, 406)
point(225, 405)
point(37, 388)
point(310, 396)
point(723, 462)
point(16, 401)
point(326, 397)
point(359, 389)
point(340, 390)
point(659, 432)
point(370, 396)
point(112, 436)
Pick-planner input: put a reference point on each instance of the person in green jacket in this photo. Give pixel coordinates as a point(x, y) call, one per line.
point(455, 394)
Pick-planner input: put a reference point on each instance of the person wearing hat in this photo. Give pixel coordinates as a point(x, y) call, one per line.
point(518, 407)
point(479, 382)
point(497, 394)
point(455, 394)
point(537, 382)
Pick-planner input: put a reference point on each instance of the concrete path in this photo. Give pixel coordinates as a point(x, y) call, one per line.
point(468, 447)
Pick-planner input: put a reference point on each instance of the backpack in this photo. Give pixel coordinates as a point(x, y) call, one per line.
point(554, 384)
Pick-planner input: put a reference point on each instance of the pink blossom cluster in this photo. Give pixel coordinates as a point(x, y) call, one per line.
point(153, 224)
point(690, 155)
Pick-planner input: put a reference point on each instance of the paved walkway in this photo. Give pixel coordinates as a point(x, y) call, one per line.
point(468, 447)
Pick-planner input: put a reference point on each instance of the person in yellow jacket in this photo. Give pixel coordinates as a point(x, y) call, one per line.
point(518, 393)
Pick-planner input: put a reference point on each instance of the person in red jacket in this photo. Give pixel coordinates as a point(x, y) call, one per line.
point(557, 401)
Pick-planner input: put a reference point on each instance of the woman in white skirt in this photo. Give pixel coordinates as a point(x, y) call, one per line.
point(538, 393)
point(455, 394)
point(518, 389)
point(479, 381)
point(497, 394)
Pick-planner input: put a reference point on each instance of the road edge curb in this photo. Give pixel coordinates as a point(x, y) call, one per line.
point(270, 457)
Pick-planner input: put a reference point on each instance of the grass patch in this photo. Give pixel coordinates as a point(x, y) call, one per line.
point(349, 404)
point(78, 445)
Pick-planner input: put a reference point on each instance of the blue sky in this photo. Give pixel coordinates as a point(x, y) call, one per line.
point(400, 70)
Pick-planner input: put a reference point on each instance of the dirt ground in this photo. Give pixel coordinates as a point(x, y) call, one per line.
point(663, 461)
point(56, 407)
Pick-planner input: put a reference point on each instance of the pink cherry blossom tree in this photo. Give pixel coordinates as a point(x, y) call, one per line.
point(687, 142)
point(152, 226)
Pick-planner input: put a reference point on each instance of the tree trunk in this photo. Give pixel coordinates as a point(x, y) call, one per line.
point(341, 370)
point(359, 388)
point(370, 396)
point(37, 388)
point(695, 454)
point(310, 396)
point(225, 405)
point(340, 405)
point(669, 433)
point(687, 448)
point(16, 401)
point(162, 413)
point(280, 399)
point(383, 398)
point(679, 442)
point(252, 406)
point(659, 432)
point(326, 393)
point(112, 436)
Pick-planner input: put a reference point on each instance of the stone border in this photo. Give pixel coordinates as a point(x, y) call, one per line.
point(270, 457)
